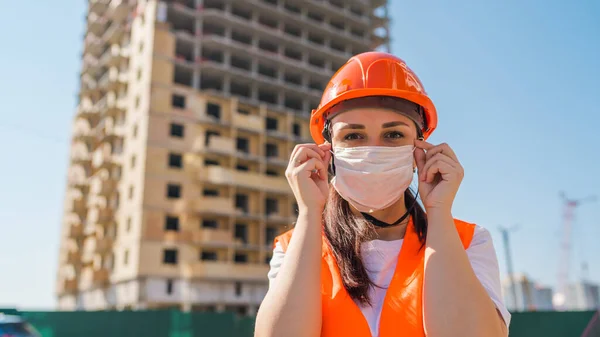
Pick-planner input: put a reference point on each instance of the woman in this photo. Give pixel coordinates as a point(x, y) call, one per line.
point(364, 258)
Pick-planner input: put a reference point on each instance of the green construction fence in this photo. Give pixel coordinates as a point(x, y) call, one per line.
point(196, 324)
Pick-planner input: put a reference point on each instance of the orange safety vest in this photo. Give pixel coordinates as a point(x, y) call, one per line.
point(402, 311)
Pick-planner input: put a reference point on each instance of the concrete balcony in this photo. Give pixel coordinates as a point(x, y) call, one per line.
point(78, 206)
point(106, 157)
point(88, 111)
point(156, 232)
point(277, 161)
point(272, 34)
point(279, 134)
point(68, 286)
point(108, 129)
point(220, 175)
point(211, 236)
point(73, 258)
point(93, 44)
point(100, 276)
point(113, 56)
point(248, 122)
point(89, 85)
point(105, 215)
point(90, 65)
point(75, 231)
point(275, 58)
point(119, 9)
point(102, 183)
point(102, 245)
point(113, 79)
point(247, 214)
point(226, 271)
point(80, 155)
point(326, 7)
point(100, 215)
point(213, 205)
point(115, 32)
point(96, 23)
point(98, 6)
point(303, 20)
point(378, 40)
point(379, 21)
point(76, 178)
point(275, 218)
point(82, 130)
point(219, 144)
point(216, 144)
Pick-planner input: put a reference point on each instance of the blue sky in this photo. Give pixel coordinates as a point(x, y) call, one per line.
point(516, 84)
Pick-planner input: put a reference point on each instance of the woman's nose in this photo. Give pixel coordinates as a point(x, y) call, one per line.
point(376, 141)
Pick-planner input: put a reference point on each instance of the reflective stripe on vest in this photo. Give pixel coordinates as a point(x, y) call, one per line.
point(402, 310)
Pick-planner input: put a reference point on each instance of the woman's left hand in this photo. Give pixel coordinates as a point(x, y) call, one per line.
point(440, 175)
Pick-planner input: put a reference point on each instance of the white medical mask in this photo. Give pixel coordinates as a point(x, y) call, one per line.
point(372, 178)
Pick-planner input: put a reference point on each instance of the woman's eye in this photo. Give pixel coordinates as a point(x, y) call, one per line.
point(353, 136)
point(394, 134)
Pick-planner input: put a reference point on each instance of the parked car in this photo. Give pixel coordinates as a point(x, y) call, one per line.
point(16, 326)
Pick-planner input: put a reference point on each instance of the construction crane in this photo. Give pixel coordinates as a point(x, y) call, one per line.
point(569, 206)
point(509, 265)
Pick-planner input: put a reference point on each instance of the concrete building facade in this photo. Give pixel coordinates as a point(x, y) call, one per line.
point(582, 296)
point(529, 295)
point(187, 113)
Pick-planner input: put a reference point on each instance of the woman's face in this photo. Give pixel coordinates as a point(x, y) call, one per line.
point(372, 127)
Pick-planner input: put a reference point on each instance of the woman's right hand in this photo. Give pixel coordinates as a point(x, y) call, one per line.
point(307, 175)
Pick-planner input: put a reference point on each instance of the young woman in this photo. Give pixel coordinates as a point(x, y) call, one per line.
point(364, 258)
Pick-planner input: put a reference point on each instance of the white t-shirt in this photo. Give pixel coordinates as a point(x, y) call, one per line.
point(380, 258)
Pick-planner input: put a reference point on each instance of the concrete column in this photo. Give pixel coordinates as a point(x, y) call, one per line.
point(196, 81)
point(186, 290)
point(254, 92)
point(254, 67)
point(227, 58)
point(329, 65)
point(306, 106)
point(227, 84)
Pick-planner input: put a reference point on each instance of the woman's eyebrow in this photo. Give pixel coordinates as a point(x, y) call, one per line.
point(392, 124)
point(352, 126)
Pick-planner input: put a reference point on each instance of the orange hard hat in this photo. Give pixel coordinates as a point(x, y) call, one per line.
point(373, 74)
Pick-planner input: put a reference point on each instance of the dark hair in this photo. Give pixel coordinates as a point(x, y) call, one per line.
point(346, 231)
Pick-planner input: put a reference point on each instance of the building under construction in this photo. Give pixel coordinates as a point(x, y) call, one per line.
point(187, 113)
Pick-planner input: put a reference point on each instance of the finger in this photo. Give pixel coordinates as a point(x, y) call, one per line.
point(305, 154)
point(302, 146)
point(421, 144)
point(444, 149)
point(437, 158)
point(302, 154)
point(327, 158)
point(325, 147)
point(433, 161)
point(307, 168)
point(420, 159)
point(441, 167)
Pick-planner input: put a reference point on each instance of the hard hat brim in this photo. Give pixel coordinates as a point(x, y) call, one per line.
point(318, 117)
